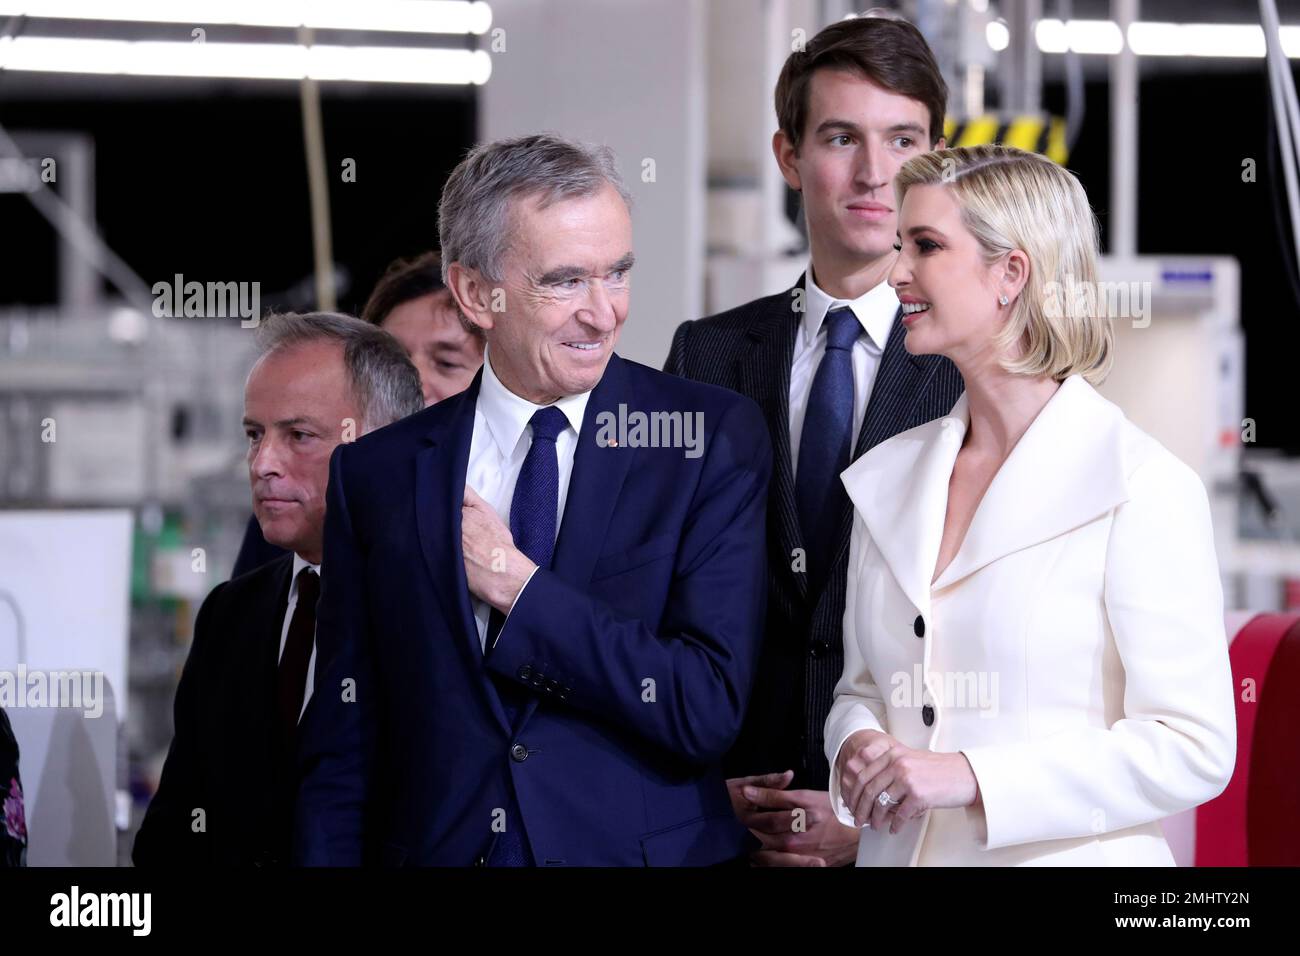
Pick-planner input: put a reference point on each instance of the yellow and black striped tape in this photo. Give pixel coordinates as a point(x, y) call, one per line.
point(1037, 134)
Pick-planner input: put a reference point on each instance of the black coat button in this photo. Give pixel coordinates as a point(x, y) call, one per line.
point(519, 753)
point(820, 648)
point(918, 626)
point(481, 861)
point(552, 686)
point(927, 714)
point(525, 672)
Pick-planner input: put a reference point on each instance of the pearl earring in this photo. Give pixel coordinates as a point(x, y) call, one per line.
point(1002, 300)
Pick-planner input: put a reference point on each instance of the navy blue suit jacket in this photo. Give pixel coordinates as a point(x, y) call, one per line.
point(636, 649)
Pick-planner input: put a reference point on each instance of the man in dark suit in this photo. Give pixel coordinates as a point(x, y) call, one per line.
point(227, 788)
point(545, 595)
point(826, 362)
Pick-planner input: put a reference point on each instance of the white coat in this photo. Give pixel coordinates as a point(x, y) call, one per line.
point(1073, 650)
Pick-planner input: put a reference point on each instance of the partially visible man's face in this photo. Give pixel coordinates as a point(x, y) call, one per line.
point(857, 136)
point(445, 355)
point(566, 291)
point(296, 405)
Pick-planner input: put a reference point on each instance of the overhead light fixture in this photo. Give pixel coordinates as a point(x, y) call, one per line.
point(1081, 36)
point(274, 61)
point(1150, 38)
point(403, 16)
point(1205, 39)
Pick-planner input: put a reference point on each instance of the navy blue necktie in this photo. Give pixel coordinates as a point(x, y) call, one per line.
point(533, 507)
point(825, 445)
point(532, 524)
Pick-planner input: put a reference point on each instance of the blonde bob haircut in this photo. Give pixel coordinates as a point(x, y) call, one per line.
point(1012, 199)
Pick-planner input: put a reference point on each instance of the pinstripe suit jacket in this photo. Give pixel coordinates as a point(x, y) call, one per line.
point(750, 349)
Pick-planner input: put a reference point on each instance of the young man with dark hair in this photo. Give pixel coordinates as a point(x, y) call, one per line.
point(825, 361)
point(410, 303)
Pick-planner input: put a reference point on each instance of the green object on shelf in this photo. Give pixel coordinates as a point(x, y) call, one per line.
point(143, 546)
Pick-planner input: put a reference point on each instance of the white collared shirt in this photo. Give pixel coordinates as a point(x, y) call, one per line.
point(298, 564)
point(500, 442)
point(875, 309)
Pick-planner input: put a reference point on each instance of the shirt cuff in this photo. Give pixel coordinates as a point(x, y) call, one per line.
point(516, 601)
point(838, 806)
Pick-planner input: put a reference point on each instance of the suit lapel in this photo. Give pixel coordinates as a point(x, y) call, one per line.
point(899, 386)
point(265, 625)
point(439, 491)
point(900, 488)
point(257, 744)
point(596, 480)
point(894, 392)
point(594, 488)
point(273, 606)
point(765, 377)
point(277, 597)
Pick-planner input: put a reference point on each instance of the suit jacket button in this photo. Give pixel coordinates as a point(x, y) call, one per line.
point(820, 648)
point(519, 753)
point(918, 626)
point(927, 714)
point(525, 672)
point(481, 861)
point(552, 686)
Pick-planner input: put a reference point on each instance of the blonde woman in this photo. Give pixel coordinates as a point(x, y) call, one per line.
point(1035, 665)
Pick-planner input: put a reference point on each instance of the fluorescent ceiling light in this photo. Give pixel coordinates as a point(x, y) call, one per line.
point(276, 61)
point(1150, 38)
point(405, 16)
point(1081, 36)
point(1196, 39)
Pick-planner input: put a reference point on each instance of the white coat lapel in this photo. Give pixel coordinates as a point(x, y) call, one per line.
point(900, 487)
point(1067, 469)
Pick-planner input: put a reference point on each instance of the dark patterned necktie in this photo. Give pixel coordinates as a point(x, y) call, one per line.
point(825, 445)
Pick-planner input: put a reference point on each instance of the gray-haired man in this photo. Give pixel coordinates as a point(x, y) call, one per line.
point(537, 638)
point(227, 787)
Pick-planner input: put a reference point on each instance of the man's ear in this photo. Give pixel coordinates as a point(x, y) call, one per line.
point(472, 293)
point(942, 144)
point(785, 154)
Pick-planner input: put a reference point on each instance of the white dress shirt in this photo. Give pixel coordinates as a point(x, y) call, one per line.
point(298, 565)
point(875, 309)
point(501, 439)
